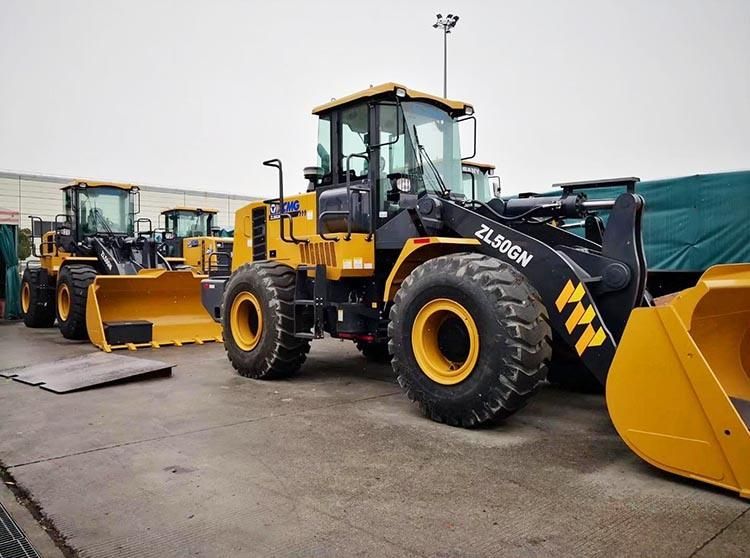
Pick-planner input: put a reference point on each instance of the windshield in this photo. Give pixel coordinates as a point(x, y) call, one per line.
point(482, 186)
point(186, 224)
point(435, 143)
point(105, 209)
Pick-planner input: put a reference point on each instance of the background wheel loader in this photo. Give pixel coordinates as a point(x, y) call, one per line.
point(388, 246)
point(480, 180)
point(101, 282)
point(189, 234)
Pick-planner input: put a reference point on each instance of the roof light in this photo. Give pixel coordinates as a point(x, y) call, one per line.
point(400, 92)
point(468, 110)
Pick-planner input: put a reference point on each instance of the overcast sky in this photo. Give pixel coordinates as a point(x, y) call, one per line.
point(197, 93)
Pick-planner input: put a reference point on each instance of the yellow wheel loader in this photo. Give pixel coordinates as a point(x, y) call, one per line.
point(189, 234)
point(388, 248)
point(102, 282)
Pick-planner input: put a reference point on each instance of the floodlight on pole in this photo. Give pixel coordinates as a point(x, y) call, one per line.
point(446, 24)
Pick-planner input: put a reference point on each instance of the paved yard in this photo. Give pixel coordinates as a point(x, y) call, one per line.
point(335, 462)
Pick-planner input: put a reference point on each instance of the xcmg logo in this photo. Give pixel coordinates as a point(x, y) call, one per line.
point(291, 207)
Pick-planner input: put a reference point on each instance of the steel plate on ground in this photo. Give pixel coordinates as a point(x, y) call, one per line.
point(86, 371)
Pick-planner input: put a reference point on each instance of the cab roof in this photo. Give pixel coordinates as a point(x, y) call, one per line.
point(98, 184)
point(391, 87)
point(191, 209)
point(478, 165)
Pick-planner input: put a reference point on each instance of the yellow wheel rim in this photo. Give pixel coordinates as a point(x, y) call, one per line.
point(25, 298)
point(63, 302)
point(445, 341)
point(246, 321)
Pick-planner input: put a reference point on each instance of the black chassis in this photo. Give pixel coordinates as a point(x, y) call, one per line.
point(611, 274)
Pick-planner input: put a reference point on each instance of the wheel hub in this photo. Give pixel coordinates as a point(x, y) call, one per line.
point(63, 302)
point(445, 341)
point(246, 320)
point(25, 298)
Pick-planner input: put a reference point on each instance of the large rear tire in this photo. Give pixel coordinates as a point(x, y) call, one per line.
point(72, 291)
point(258, 321)
point(470, 339)
point(37, 300)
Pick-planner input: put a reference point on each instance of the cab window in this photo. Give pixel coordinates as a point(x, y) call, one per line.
point(354, 126)
point(324, 144)
point(393, 153)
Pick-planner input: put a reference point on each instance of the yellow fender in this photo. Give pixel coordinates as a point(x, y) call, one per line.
point(678, 390)
point(170, 300)
point(417, 251)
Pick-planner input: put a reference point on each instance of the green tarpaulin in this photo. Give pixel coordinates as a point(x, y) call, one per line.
point(692, 222)
point(12, 282)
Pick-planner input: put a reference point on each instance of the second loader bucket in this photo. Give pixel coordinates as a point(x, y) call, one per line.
point(678, 390)
point(153, 308)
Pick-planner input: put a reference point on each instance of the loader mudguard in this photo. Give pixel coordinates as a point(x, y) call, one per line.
point(579, 302)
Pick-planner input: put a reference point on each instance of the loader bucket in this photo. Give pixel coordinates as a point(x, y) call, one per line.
point(678, 390)
point(153, 308)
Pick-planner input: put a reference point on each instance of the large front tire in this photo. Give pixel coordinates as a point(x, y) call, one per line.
point(258, 321)
point(470, 339)
point(72, 291)
point(37, 301)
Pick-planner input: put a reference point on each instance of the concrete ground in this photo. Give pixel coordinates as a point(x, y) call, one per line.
point(335, 462)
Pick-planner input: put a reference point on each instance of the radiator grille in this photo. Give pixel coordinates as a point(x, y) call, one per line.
point(259, 233)
point(318, 253)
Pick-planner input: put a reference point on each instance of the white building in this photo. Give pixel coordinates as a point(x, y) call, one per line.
point(31, 194)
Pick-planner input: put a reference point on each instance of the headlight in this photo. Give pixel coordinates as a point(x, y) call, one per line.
point(400, 182)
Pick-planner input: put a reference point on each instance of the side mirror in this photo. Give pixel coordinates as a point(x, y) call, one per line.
point(496, 185)
point(468, 133)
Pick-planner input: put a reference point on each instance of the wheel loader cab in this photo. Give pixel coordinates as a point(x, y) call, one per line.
point(479, 179)
point(184, 222)
point(382, 149)
point(96, 208)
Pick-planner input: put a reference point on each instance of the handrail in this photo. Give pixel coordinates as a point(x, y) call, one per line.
point(32, 218)
point(276, 163)
point(349, 188)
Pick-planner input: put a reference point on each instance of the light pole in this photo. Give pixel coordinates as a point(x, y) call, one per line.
point(446, 24)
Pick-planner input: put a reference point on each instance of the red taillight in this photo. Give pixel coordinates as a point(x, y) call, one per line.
point(424, 240)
